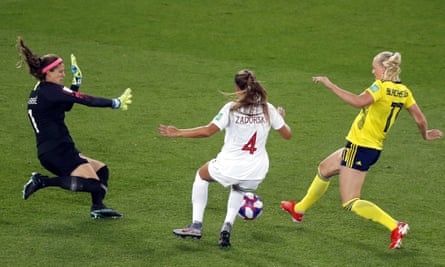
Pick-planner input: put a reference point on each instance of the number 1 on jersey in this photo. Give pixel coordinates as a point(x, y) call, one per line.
point(250, 146)
point(33, 121)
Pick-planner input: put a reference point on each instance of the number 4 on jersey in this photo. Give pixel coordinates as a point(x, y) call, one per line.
point(250, 146)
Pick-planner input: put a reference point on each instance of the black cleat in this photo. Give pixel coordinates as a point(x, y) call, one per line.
point(224, 239)
point(34, 184)
point(105, 213)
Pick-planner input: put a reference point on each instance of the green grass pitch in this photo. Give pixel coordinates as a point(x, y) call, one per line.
point(178, 56)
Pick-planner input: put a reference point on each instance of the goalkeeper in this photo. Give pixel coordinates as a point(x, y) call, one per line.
point(48, 102)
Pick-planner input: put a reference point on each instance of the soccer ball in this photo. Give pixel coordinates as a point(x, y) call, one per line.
point(252, 206)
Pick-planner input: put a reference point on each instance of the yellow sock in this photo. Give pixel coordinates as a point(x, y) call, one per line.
point(314, 193)
point(371, 211)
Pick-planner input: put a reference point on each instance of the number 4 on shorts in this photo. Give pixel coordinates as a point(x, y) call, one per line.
point(250, 146)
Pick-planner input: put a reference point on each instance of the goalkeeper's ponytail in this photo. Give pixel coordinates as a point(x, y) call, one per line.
point(35, 63)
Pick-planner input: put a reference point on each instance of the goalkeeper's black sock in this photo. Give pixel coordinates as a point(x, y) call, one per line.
point(79, 184)
point(72, 183)
point(98, 197)
point(103, 174)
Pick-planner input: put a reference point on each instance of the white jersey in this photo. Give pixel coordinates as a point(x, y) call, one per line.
point(244, 155)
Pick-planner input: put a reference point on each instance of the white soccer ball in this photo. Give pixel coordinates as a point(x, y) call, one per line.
point(252, 206)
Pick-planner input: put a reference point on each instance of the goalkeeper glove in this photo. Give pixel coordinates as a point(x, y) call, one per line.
point(123, 101)
point(77, 74)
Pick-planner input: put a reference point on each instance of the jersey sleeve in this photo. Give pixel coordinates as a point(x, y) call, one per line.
point(276, 121)
point(410, 101)
point(221, 120)
point(69, 106)
point(375, 90)
point(66, 95)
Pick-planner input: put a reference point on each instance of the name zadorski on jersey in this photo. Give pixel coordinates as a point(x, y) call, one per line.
point(250, 119)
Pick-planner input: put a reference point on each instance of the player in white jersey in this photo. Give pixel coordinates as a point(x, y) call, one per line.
point(243, 161)
point(243, 156)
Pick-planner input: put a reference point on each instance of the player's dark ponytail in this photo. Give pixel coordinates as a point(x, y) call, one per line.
point(253, 93)
point(35, 63)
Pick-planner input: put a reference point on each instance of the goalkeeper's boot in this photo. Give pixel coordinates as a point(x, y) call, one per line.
point(193, 230)
point(397, 234)
point(34, 184)
point(224, 236)
point(289, 206)
point(103, 212)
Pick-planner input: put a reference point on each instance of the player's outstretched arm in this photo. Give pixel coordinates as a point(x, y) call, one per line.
point(357, 101)
point(198, 132)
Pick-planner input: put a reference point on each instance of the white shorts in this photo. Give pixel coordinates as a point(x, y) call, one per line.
point(215, 171)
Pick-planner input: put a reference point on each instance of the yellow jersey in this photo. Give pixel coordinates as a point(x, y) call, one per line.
point(371, 125)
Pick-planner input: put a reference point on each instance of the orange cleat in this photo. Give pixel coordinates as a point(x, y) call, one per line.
point(397, 234)
point(289, 207)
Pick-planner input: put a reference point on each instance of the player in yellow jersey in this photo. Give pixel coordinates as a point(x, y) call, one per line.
point(380, 105)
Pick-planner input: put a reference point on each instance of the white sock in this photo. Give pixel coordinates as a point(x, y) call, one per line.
point(233, 204)
point(199, 198)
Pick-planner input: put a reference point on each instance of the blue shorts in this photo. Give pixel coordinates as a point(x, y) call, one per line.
point(62, 160)
point(359, 157)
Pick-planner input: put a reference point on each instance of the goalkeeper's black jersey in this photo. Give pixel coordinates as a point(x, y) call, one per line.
point(47, 105)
